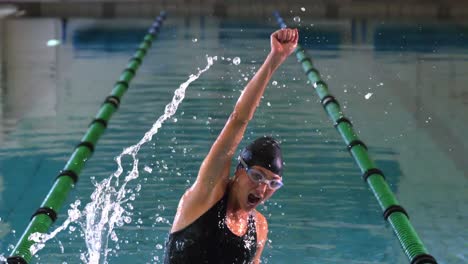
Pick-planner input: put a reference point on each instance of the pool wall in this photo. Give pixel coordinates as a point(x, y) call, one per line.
point(244, 8)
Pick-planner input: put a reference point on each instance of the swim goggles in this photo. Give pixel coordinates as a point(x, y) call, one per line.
point(258, 177)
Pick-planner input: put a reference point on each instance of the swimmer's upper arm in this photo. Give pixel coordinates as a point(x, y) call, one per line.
point(214, 171)
point(262, 236)
point(215, 168)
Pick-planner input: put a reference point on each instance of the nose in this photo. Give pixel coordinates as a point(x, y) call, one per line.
point(262, 186)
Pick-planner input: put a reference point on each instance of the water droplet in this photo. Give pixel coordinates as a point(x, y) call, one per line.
point(236, 61)
point(303, 9)
point(194, 40)
point(53, 43)
point(297, 19)
point(368, 95)
point(114, 237)
point(148, 169)
point(274, 83)
point(268, 103)
point(159, 246)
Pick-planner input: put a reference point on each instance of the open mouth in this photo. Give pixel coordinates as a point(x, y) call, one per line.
point(253, 199)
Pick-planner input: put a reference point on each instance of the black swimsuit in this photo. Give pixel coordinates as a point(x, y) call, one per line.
point(209, 240)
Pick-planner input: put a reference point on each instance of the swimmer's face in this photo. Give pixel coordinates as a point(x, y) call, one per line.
point(257, 185)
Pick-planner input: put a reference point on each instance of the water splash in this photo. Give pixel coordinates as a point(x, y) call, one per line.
point(73, 215)
point(106, 210)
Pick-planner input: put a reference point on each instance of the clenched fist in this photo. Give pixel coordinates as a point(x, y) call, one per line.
point(283, 42)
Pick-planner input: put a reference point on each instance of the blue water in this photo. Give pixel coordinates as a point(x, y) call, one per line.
point(413, 123)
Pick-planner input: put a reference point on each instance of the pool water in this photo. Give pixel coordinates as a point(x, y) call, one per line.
point(402, 83)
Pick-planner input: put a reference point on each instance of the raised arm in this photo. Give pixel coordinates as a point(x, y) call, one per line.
point(213, 175)
point(214, 170)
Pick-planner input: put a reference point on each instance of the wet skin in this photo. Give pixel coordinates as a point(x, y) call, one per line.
point(213, 178)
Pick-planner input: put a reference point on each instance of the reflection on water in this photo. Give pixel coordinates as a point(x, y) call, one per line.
point(413, 124)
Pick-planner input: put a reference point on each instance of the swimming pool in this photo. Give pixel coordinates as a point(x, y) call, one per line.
point(411, 72)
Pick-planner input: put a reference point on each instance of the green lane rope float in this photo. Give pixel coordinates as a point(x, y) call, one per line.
point(45, 216)
point(394, 213)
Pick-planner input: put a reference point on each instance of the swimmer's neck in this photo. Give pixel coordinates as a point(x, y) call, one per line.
point(234, 210)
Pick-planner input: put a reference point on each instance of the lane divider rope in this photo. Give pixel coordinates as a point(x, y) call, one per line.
point(394, 213)
point(43, 218)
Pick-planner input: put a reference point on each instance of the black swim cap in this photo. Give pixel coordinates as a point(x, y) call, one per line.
point(265, 152)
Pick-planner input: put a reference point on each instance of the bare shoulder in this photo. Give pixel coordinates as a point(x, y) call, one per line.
point(260, 218)
point(261, 225)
